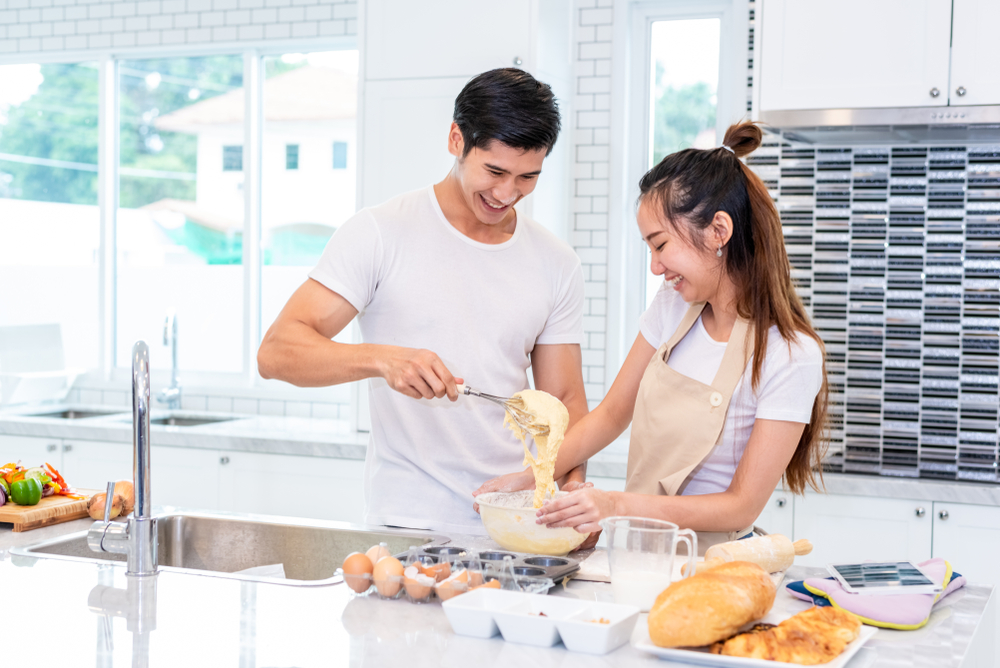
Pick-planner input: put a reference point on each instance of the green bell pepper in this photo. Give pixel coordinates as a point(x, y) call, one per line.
point(27, 492)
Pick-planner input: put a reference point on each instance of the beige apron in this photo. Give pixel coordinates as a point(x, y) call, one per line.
point(678, 421)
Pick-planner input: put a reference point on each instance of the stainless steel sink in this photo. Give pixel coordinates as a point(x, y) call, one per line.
point(221, 545)
point(72, 414)
point(175, 421)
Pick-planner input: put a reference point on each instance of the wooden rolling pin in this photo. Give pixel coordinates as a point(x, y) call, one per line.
point(773, 552)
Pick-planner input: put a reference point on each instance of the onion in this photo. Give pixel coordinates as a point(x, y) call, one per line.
point(3, 496)
point(126, 490)
point(48, 490)
point(95, 506)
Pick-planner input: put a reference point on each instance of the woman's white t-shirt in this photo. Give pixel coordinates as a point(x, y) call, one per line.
point(790, 380)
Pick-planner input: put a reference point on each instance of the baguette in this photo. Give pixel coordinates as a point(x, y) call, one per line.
point(710, 606)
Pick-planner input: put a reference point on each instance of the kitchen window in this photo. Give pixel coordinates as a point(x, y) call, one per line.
point(686, 59)
point(303, 205)
point(49, 222)
point(134, 188)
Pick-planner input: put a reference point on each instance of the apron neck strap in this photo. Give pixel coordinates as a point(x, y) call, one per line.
point(684, 327)
point(736, 356)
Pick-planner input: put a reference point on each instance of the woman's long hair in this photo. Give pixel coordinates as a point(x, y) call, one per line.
point(691, 186)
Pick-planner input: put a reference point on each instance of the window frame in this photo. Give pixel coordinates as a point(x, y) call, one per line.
point(247, 382)
point(631, 108)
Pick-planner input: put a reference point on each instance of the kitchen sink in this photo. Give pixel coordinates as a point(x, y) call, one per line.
point(71, 414)
point(222, 545)
point(175, 421)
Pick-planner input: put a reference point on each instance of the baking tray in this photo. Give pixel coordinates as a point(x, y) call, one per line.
point(530, 565)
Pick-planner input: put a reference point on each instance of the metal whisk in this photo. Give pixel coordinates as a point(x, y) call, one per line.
point(515, 409)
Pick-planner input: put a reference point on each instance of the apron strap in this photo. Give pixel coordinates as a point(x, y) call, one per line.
point(734, 360)
point(690, 317)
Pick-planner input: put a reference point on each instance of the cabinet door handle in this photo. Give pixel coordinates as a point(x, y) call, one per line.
point(943, 515)
point(935, 92)
point(781, 502)
point(961, 91)
point(51, 447)
point(920, 512)
point(68, 448)
point(223, 460)
point(517, 61)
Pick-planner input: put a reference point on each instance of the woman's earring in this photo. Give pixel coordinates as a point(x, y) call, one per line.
point(718, 253)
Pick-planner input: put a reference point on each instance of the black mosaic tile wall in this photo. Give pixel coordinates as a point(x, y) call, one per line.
point(896, 251)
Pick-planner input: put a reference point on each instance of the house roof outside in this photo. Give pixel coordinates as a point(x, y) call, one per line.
point(307, 93)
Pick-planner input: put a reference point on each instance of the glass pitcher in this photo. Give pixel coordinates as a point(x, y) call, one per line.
point(641, 555)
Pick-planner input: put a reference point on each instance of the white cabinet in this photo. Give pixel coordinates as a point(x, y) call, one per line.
point(975, 52)
point(312, 487)
point(969, 537)
point(856, 528)
point(31, 451)
point(854, 54)
point(408, 40)
point(779, 514)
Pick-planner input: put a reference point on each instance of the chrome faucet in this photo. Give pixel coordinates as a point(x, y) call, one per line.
point(137, 537)
point(171, 396)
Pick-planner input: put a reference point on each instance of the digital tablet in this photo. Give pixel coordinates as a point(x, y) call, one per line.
point(884, 577)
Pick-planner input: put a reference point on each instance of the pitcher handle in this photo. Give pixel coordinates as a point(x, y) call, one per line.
point(689, 538)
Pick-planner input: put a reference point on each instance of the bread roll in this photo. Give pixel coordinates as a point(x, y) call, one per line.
point(710, 606)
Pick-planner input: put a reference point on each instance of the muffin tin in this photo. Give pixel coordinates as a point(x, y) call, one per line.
point(524, 565)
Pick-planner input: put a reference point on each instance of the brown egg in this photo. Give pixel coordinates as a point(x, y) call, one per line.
point(453, 586)
point(418, 586)
point(387, 574)
point(376, 552)
point(357, 572)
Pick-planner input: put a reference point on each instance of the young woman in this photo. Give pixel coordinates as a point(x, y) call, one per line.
point(725, 385)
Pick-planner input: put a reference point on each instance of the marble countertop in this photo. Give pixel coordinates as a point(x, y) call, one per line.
point(316, 437)
point(207, 621)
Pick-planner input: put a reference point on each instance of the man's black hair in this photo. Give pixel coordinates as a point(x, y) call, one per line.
point(510, 106)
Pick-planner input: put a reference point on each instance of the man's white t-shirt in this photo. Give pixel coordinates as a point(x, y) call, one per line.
point(789, 382)
point(418, 282)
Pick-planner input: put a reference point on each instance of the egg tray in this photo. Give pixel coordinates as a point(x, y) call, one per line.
point(528, 565)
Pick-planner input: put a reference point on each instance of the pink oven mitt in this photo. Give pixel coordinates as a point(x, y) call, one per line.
point(904, 612)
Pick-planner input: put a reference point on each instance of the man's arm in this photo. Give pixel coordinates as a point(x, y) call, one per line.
point(558, 370)
point(298, 349)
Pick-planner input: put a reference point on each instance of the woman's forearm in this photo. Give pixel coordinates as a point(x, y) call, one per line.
point(723, 511)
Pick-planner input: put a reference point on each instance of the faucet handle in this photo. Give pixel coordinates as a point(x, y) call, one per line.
point(109, 500)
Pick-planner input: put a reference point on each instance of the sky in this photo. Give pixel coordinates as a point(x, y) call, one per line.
point(18, 83)
point(688, 50)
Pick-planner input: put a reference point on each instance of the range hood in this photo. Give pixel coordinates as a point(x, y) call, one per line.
point(914, 125)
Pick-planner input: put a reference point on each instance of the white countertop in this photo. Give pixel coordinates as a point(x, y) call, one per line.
point(208, 621)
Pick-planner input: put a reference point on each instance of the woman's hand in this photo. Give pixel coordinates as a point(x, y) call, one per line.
point(581, 509)
point(511, 482)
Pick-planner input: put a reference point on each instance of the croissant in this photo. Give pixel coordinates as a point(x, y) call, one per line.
point(815, 636)
point(711, 605)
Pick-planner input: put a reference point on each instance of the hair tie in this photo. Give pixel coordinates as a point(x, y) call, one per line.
point(728, 149)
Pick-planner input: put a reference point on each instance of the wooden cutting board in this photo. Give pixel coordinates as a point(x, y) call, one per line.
point(50, 510)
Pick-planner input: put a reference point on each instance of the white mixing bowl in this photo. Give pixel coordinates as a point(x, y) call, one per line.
point(509, 518)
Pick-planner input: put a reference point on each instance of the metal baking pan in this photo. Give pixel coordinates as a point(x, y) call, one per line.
point(530, 565)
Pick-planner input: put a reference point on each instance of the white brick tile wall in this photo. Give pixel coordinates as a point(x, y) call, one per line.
point(29, 26)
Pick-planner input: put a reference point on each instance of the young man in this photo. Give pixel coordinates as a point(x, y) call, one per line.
point(451, 284)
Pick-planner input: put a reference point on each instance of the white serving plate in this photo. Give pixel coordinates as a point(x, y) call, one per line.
point(700, 655)
point(581, 635)
point(471, 614)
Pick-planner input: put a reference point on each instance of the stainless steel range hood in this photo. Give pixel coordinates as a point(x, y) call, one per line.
point(918, 125)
